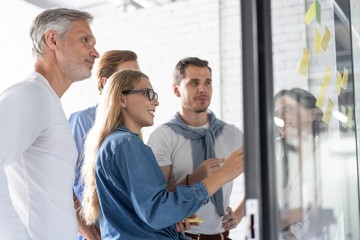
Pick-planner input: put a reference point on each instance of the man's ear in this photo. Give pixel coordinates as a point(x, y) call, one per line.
point(51, 39)
point(176, 90)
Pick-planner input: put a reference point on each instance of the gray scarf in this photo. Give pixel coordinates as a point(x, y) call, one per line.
point(202, 144)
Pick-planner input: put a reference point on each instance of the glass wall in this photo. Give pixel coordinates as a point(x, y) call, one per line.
point(314, 119)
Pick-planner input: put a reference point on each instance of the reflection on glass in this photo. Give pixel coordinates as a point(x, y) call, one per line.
point(302, 215)
point(316, 153)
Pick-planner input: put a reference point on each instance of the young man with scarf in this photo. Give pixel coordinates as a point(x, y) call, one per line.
point(194, 144)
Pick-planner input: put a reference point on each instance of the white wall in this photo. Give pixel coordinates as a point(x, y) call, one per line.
point(160, 36)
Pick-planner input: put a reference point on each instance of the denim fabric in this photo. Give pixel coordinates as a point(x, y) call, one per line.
point(80, 123)
point(132, 190)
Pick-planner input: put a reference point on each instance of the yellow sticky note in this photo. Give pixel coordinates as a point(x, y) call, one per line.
point(310, 14)
point(321, 96)
point(345, 78)
point(349, 121)
point(303, 65)
point(329, 111)
point(338, 83)
point(316, 43)
point(195, 220)
point(327, 77)
point(324, 42)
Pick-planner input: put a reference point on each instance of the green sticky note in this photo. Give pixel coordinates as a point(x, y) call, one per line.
point(318, 11)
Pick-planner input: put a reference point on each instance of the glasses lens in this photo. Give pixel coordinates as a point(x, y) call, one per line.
point(154, 95)
point(150, 94)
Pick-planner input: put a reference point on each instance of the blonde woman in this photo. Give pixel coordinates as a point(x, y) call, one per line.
point(124, 186)
point(82, 121)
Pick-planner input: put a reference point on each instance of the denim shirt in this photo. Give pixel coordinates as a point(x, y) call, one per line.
point(80, 123)
point(132, 190)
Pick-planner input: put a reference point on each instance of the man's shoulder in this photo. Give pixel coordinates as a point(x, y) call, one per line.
point(28, 88)
point(30, 94)
point(163, 130)
point(84, 112)
point(232, 131)
point(88, 113)
point(232, 127)
point(163, 134)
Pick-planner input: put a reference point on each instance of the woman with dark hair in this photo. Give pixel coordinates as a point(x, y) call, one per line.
point(298, 111)
point(300, 127)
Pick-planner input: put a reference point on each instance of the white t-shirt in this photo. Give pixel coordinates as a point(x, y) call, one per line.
point(37, 161)
point(171, 148)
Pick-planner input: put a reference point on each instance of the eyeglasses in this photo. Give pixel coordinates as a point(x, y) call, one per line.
point(146, 91)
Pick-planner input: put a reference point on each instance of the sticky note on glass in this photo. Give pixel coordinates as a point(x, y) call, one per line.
point(324, 41)
point(345, 77)
point(338, 83)
point(318, 11)
point(316, 43)
point(327, 77)
point(329, 111)
point(303, 65)
point(313, 12)
point(321, 97)
point(349, 121)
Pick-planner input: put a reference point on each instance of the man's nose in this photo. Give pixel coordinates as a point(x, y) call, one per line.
point(202, 88)
point(94, 53)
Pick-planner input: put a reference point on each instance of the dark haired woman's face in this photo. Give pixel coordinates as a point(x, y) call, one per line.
point(293, 118)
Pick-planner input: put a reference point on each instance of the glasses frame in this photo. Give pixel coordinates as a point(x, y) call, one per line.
point(148, 92)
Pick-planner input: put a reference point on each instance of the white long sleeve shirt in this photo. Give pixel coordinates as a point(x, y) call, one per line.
point(37, 160)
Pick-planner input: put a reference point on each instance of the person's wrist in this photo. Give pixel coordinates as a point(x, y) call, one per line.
point(221, 177)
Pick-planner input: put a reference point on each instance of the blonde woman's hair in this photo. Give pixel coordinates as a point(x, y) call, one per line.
point(108, 118)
